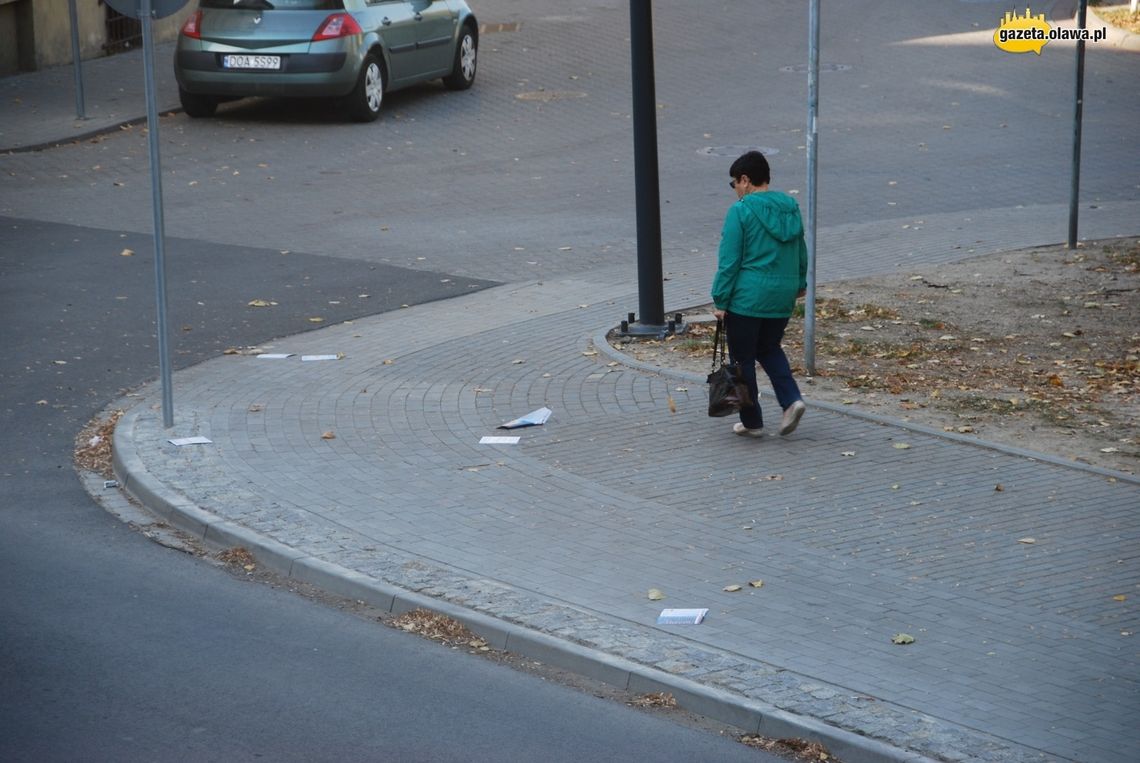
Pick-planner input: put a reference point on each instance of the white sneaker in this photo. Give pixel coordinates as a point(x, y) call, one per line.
point(792, 415)
point(744, 431)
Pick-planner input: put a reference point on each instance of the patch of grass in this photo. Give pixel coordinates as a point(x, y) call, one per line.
point(1120, 17)
point(695, 345)
point(875, 311)
point(1126, 256)
point(827, 308)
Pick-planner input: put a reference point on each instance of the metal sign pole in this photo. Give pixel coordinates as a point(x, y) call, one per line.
point(1075, 188)
point(77, 63)
point(159, 232)
point(812, 177)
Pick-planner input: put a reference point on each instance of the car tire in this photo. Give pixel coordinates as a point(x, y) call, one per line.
point(463, 72)
point(197, 106)
point(366, 98)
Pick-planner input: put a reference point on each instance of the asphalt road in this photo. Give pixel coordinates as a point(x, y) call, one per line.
point(529, 175)
point(115, 648)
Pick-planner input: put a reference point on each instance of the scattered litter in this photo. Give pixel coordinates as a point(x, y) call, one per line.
point(681, 616)
point(1027, 541)
point(499, 440)
point(532, 419)
point(199, 440)
point(309, 358)
point(275, 355)
point(108, 484)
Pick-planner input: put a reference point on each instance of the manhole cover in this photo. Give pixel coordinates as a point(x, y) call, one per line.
point(803, 68)
point(735, 151)
point(546, 96)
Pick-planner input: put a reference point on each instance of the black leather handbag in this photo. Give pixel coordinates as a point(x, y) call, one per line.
point(728, 392)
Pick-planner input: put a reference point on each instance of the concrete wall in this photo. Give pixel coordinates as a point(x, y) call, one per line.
point(35, 34)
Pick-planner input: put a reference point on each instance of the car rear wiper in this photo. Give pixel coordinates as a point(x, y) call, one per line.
point(254, 5)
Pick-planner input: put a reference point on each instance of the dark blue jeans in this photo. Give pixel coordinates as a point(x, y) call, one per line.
point(757, 340)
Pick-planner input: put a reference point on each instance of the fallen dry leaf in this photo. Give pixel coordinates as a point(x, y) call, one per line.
point(756, 583)
point(732, 588)
point(902, 638)
point(655, 595)
point(658, 699)
point(672, 405)
point(260, 303)
point(127, 253)
point(1027, 541)
point(901, 446)
point(328, 436)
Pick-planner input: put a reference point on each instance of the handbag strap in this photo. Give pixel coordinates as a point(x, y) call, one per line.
point(720, 341)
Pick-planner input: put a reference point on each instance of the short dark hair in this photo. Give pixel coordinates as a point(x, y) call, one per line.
point(754, 165)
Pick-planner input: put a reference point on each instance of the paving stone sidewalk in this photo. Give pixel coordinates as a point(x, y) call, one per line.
point(551, 545)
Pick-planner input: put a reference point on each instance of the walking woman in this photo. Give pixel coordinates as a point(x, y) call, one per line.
point(761, 271)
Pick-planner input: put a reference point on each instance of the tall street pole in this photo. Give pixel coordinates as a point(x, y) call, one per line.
point(650, 274)
point(145, 13)
point(1075, 189)
point(812, 178)
point(76, 62)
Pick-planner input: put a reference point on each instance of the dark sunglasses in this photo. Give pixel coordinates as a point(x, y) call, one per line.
point(732, 184)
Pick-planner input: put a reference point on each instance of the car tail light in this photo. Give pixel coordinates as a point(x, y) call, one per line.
point(193, 25)
point(337, 25)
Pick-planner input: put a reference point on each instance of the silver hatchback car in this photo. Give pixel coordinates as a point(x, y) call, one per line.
point(356, 50)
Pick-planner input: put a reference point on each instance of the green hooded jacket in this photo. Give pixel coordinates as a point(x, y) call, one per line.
point(762, 263)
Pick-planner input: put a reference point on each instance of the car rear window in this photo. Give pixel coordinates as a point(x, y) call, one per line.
point(278, 5)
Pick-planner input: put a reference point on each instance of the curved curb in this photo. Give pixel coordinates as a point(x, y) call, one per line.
point(95, 132)
point(601, 342)
point(750, 716)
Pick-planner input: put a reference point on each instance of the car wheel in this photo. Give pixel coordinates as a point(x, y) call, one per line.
point(364, 102)
point(463, 72)
point(197, 106)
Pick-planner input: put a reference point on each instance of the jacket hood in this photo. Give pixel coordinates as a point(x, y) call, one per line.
point(777, 212)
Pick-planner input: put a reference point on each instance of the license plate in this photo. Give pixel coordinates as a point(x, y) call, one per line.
point(251, 62)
